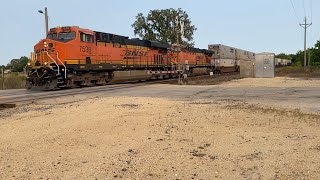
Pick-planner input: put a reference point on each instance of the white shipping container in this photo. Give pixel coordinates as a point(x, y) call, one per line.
point(225, 63)
point(252, 55)
point(278, 61)
point(245, 55)
point(223, 51)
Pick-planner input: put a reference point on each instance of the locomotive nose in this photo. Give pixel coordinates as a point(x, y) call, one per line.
point(44, 52)
point(48, 45)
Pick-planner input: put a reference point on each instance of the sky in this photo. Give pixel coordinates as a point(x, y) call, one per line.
point(254, 25)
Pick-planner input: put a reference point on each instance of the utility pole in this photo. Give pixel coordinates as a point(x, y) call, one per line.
point(46, 18)
point(305, 26)
point(2, 73)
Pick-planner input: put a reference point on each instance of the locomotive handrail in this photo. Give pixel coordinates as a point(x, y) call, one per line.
point(53, 61)
point(65, 68)
point(31, 61)
point(32, 58)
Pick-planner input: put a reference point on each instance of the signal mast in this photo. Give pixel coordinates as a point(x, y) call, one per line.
point(177, 47)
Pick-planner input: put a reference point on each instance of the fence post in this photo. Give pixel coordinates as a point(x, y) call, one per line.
point(2, 83)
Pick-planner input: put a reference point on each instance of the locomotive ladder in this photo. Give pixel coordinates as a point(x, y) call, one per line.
point(61, 80)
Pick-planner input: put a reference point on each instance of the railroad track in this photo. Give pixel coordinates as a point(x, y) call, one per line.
point(23, 96)
point(4, 93)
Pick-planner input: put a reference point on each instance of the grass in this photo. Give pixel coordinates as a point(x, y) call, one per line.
point(13, 81)
point(297, 71)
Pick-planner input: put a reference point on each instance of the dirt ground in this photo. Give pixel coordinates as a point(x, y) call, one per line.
point(94, 137)
point(280, 82)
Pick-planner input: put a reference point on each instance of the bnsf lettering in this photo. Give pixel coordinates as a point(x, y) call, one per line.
point(135, 53)
point(86, 49)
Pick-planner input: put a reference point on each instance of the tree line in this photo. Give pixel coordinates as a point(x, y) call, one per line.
point(298, 58)
point(17, 65)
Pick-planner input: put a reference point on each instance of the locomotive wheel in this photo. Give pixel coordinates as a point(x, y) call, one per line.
point(88, 79)
point(49, 85)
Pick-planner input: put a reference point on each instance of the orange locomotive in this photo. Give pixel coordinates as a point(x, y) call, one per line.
point(73, 57)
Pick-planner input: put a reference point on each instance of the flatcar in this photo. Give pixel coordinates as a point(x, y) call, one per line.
point(72, 57)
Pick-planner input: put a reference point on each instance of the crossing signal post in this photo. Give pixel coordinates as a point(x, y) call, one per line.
point(179, 28)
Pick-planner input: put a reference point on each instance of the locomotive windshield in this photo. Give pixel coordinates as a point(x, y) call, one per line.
point(66, 36)
point(63, 36)
point(52, 36)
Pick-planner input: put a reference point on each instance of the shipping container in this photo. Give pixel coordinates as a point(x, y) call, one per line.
point(278, 61)
point(246, 68)
point(225, 62)
point(282, 62)
point(228, 58)
point(223, 51)
point(244, 55)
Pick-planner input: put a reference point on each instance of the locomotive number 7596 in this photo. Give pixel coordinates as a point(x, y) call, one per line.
point(86, 49)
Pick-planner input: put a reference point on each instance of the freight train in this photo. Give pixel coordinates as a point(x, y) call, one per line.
point(282, 62)
point(227, 59)
point(72, 57)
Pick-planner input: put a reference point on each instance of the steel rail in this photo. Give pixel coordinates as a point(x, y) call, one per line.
point(21, 98)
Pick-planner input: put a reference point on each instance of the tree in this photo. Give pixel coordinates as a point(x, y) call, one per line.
point(17, 65)
point(160, 25)
point(315, 55)
point(284, 56)
point(298, 58)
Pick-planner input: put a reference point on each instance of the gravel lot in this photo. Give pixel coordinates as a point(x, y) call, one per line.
point(130, 137)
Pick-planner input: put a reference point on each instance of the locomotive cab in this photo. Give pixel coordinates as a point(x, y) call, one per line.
point(62, 43)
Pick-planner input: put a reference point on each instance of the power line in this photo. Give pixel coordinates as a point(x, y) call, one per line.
point(311, 9)
point(294, 10)
point(304, 7)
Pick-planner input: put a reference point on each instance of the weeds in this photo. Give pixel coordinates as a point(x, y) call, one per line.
point(13, 81)
point(297, 71)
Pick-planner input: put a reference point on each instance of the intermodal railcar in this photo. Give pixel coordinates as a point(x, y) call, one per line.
point(71, 57)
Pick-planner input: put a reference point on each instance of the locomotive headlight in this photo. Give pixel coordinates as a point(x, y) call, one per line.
point(44, 43)
point(29, 64)
point(45, 63)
